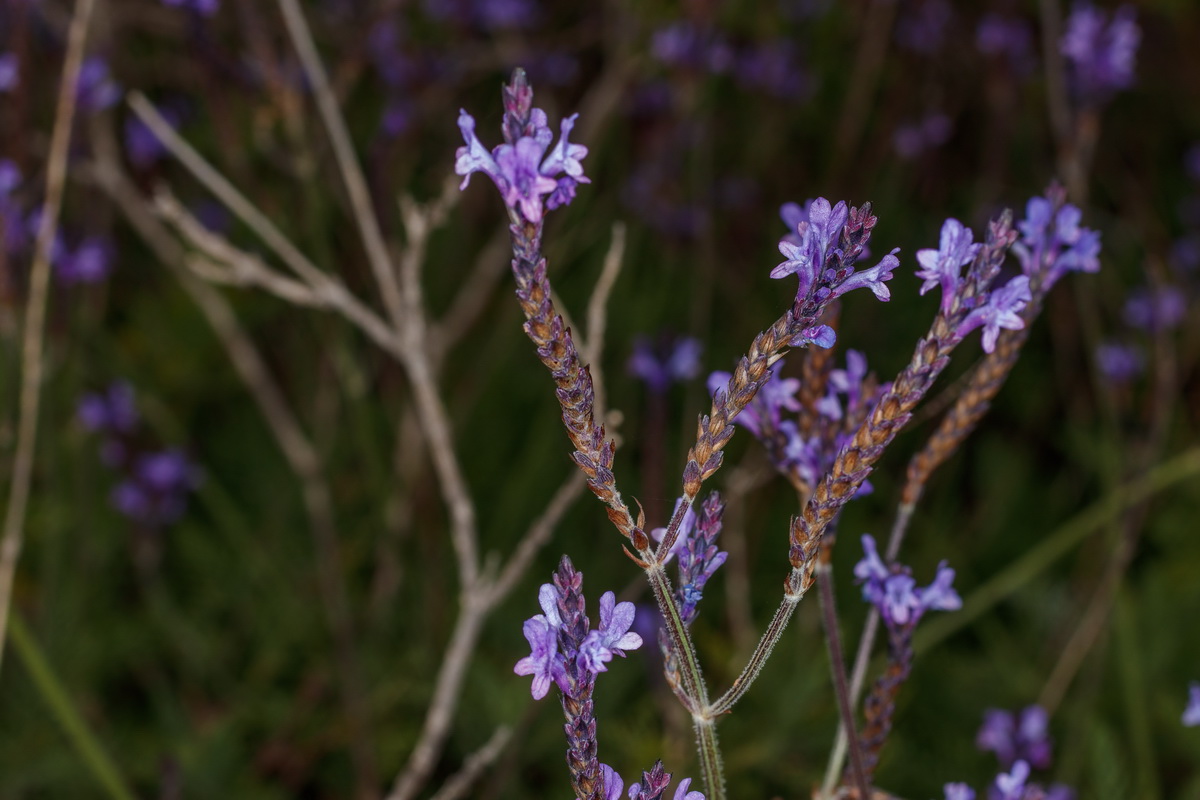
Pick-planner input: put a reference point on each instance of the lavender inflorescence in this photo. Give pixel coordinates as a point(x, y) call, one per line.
point(824, 433)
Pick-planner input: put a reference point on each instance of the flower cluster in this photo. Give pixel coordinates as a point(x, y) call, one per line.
point(530, 180)
point(696, 548)
point(556, 654)
point(1011, 785)
point(1100, 51)
point(894, 592)
point(10, 72)
point(155, 484)
point(653, 785)
point(1052, 241)
point(669, 359)
point(821, 252)
point(1016, 737)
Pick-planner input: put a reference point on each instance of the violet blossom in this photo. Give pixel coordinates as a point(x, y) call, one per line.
point(10, 72)
point(1191, 714)
point(1023, 736)
point(669, 359)
point(894, 592)
point(205, 8)
point(1053, 242)
point(1100, 51)
point(96, 90)
point(942, 267)
point(90, 262)
point(1001, 310)
point(928, 133)
point(824, 269)
point(1161, 308)
point(763, 414)
point(1119, 362)
point(522, 170)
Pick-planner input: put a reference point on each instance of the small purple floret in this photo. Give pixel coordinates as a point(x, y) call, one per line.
point(1001, 310)
point(942, 267)
point(1191, 714)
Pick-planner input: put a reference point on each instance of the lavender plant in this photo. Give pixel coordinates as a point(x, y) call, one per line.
point(845, 422)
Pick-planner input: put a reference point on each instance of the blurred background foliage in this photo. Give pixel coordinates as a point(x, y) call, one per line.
point(193, 644)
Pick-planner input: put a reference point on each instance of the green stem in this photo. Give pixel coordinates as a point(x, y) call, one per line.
point(55, 697)
point(1059, 543)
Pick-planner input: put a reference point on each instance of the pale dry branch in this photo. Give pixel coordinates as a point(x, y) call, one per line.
point(35, 313)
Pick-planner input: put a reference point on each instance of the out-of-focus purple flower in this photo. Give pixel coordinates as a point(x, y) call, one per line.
point(1011, 785)
point(90, 262)
point(1017, 737)
point(1185, 253)
point(958, 791)
point(494, 15)
point(923, 30)
point(1100, 52)
point(166, 471)
point(1002, 309)
point(213, 216)
point(523, 172)
point(10, 177)
point(555, 68)
point(1006, 37)
point(894, 592)
point(544, 662)
point(1191, 714)
point(97, 90)
point(113, 410)
point(1191, 162)
point(682, 45)
point(670, 359)
point(773, 67)
point(141, 145)
point(1052, 240)
point(386, 46)
point(10, 71)
point(942, 267)
point(205, 8)
point(1118, 362)
point(762, 414)
point(928, 133)
point(132, 500)
point(1155, 309)
point(397, 117)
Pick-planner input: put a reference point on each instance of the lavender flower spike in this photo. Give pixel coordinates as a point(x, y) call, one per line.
point(958, 791)
point(941, 266)
point(520, 167)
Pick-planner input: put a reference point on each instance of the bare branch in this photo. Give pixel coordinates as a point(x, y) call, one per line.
point(35, 314)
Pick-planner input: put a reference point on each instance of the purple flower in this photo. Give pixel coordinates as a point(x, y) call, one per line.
point(10, 178)
point(1011, 785)
point(612, 638)
point(653, 786)
point(942, 266)
point(523, 172)
point(166, 471)
point(822, 227)
point(1052, 241)
point(672, 359)
point(112, 410)
point(1007, 37)
point(141, 144)
point(929, 133)
point(774, 68)
point(1119, 363)
point(96, 90)
point(91, 262)
point(1001, 310)
point(1155, 309)
point(683, 45)
point(923, 30)
point(132, 500)
point(894, 592)
point(1100, 53)
point(10, 71)
point(958, 791)
point(763, 414)
point(544, 662)
point(494, 15)
point(1191, 714)
point(614, 784)
point(205, 8)
point(1016, 737)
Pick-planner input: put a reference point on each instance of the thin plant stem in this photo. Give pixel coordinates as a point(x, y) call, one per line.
point(343, 151)
point(65, 713)
point(837, 666)
point(1184, 467)
point(35, 312)
point(762, 651)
